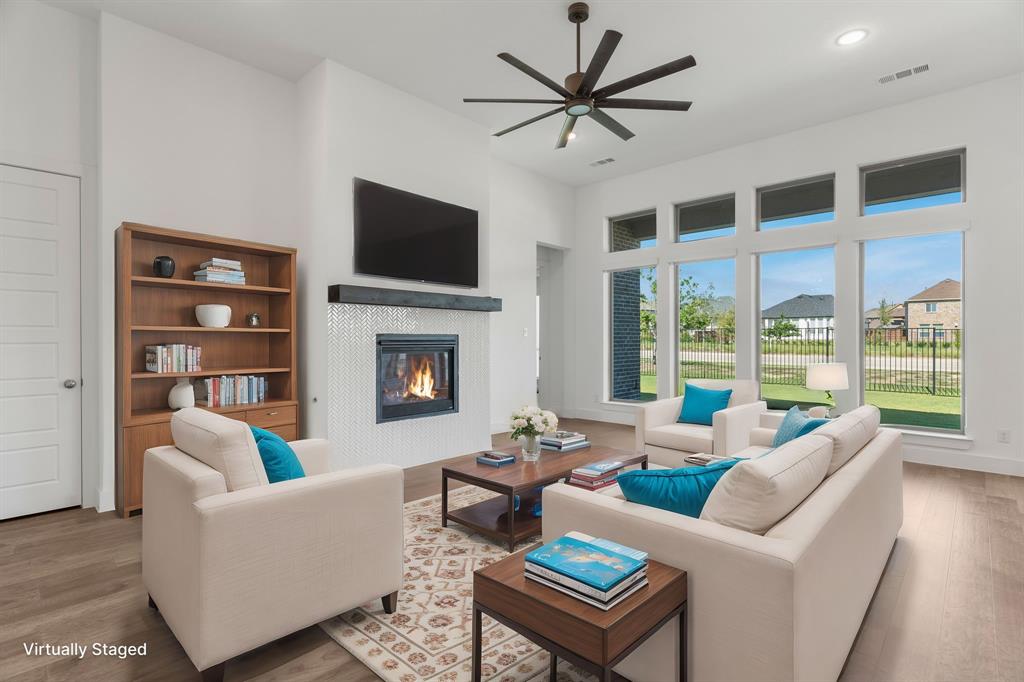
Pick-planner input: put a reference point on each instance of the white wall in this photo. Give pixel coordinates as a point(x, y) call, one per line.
point(526, 210)
point(190, 140)
point(985, 118)
point(49, 122)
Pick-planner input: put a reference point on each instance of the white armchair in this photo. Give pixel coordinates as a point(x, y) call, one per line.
point(233, 562)
point(668, 442)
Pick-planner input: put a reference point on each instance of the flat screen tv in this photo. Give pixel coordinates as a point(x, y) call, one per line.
point(406, 236)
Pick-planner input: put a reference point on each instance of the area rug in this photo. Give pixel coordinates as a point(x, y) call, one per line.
point(429, 637)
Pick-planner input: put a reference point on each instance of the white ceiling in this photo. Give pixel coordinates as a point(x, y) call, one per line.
point(763, 67)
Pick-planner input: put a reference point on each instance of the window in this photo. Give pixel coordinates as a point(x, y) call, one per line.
point(638, 231)
point(796, 203)
point(706, 218)
point(913, 183)
point(797, 314)
point(634, 332)
point(707, 320)
point(913, 372)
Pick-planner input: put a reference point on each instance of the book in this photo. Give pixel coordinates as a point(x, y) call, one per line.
point(175, 357)
point(704, 460)
point(563, 438)
point(589, 600)
point(225, 263)
point(595, 566)
point(566, 448)
point(495, 459)
point(611, 546)
point(591, 485)
point(575, 585)
point(597, 470)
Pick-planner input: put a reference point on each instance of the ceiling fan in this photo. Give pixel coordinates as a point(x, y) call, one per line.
point(579, 98)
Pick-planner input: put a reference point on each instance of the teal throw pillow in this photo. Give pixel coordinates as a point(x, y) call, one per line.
point(278, 457)
point(794, 425)
point(700, 403)
point(683, 491)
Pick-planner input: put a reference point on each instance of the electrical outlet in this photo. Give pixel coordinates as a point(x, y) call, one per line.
point(1002, 435)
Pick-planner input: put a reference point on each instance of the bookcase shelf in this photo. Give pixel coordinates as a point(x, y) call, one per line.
point(208, 330)
point(159, 311)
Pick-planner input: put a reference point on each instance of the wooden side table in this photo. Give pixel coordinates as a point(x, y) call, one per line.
point(568, 628)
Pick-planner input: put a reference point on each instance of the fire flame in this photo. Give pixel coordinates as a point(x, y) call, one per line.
point(421, 379)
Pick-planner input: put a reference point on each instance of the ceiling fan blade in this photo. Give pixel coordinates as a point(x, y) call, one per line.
point(563, 137)
point(528, 122)
point(600, 60)
point(611, 124)
point(534, 74)
point(659, 104)
point(514, 101)
point(646, 77)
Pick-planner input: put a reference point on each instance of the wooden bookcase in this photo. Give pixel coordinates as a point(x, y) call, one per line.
point(154, 310)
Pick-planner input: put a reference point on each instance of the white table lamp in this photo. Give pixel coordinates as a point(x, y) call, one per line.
point(828, 377)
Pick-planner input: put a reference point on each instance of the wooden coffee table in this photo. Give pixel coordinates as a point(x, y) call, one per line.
point(568, 628)
point(497, 517)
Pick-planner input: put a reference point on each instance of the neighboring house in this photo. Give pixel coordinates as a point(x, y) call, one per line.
point(936, 308)
point(897, 317)
point(806, 311)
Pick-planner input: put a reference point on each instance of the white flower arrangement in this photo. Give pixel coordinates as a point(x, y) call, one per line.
point(531, 421)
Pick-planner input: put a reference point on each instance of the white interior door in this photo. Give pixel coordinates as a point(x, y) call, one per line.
point(40, 343)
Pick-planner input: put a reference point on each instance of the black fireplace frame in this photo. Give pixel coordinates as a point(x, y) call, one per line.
point(418, 343)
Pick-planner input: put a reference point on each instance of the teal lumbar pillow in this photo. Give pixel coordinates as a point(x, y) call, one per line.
point(278, 457)
point(683, 491)
point(700, 403)
point(794, 425)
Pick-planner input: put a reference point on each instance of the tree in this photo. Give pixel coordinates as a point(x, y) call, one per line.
point(782, 329)
point(726, 321)
point(648, 314)
point(696, 306)
point(884, 313)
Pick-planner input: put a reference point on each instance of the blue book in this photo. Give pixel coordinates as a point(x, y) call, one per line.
point(595, 566)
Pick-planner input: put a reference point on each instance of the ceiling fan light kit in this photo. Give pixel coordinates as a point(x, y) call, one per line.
point(579, 97)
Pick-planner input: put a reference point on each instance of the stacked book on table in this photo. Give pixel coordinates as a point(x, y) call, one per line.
point(220, 271)
point(596, 476)
point(495, 458)
point(596, 571)
point(564, 441)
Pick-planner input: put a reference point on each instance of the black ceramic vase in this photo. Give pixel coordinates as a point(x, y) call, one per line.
point(163, 266)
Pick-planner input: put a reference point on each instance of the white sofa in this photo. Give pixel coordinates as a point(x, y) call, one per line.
point(233, 562)
point(667, 442)
point(785, 605)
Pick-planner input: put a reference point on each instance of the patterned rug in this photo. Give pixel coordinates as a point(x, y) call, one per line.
point(429, 637)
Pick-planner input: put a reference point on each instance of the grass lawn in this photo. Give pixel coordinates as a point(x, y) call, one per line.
point(648, 387)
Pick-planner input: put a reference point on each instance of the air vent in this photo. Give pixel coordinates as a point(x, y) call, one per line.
point(601, 162)
point(903, 73)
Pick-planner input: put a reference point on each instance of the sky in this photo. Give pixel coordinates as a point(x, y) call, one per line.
point(894, 269)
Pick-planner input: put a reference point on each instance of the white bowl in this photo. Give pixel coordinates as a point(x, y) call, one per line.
point(213, 315)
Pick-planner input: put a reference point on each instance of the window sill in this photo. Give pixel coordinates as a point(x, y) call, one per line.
point(949, 441)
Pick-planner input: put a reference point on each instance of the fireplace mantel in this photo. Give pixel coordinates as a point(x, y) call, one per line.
point(346, 293)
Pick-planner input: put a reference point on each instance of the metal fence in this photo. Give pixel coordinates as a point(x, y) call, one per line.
point(648, 353)
point(919, 360)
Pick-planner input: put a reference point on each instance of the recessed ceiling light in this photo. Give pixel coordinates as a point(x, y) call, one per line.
point(852, 37)
point(572, 136)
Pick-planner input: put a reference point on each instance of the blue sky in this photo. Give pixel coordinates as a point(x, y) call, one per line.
point(894, 269)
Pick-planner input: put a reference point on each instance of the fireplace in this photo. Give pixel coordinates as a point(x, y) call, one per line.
point(417, 376)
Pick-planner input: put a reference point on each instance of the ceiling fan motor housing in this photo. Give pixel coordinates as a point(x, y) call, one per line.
point(579, 12)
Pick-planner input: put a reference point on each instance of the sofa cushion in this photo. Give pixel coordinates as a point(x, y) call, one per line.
point(220, 443)
point(757, 493)
point(850, 433)
point(683, 491)
point(686, 437)
point(700, 404)
point(794, 425)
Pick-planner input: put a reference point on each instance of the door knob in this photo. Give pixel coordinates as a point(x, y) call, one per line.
point(70, 383)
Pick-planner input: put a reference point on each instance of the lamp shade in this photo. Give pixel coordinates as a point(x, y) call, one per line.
point(827, 376)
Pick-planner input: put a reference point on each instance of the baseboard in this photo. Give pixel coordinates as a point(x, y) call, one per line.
point(104, 500)
point(963, 460)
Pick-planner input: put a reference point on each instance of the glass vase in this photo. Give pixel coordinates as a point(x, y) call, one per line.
point(531, 448)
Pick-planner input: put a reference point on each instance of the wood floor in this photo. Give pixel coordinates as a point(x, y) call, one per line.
point(950, 606)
